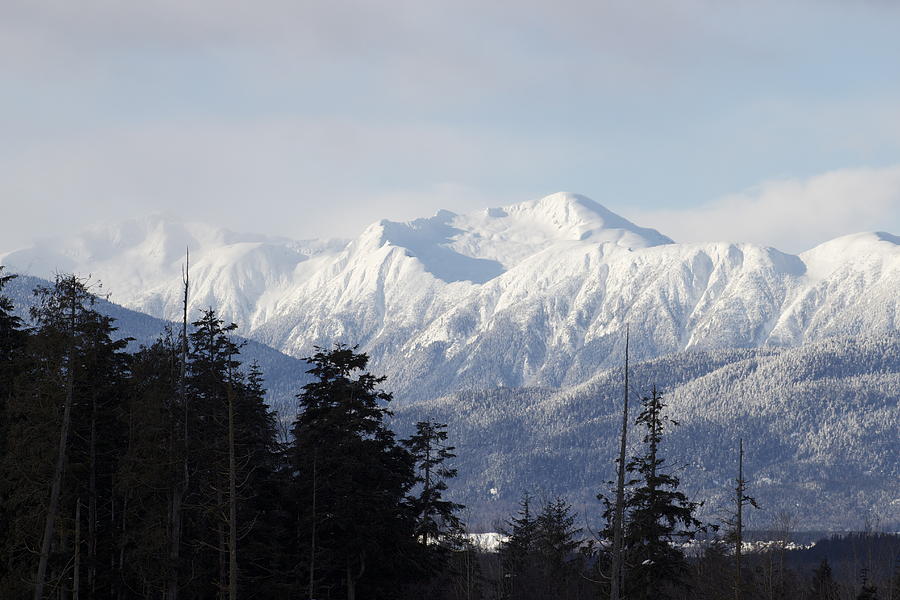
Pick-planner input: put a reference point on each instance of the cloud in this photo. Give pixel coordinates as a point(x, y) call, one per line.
point(373, 109)
point(294, 176)
point(791, 214)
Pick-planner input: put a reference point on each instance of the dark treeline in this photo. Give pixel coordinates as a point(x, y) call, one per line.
point(162, 473)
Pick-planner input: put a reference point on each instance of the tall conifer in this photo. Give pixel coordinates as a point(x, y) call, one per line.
point(364, 536)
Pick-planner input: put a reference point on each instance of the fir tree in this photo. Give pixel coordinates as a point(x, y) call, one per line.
point(359, 538)
point(518, 551)
point(63, 444)
point(12, 340)
point(823, 585)
point(211, 370)
point(557, 544)
point(436, 518)
point(150, 469)
point(657, 515)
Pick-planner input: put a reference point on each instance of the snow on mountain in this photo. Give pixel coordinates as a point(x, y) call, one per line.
point(531, 294)
point(819, 424)
point(140, 261)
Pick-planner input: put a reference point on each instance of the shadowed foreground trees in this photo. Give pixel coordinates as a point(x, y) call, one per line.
point(349, 465)
point(158, 473)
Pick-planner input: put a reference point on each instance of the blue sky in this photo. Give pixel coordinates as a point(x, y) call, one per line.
point(705, 120)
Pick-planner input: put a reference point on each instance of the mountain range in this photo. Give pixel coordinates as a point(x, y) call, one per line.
point(509, 324)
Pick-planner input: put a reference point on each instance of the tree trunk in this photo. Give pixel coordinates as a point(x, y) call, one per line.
point(92, 503)
point(351, 583)
point(121, 565)
point(222, 546)
point(739, 533)
point(180, 488)
point(232, 503)
point(352, 579)
point(619, 516)
point(76, 577)
point(56, 487)
point(312, 535)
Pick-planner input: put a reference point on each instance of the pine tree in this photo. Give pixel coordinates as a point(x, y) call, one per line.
point(823, 586)
point(12, 341)
point(62, 445)
point(97, 441)
point(256, 468)
point(442, 549)
point(557, 546)
point(211, 371)
point(348, 464)
point(518, 552)
point(867, 592)
point(150, 468)
point(658, 515)
point(436, 518)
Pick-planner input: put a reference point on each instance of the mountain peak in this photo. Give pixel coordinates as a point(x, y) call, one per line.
point(578, 217)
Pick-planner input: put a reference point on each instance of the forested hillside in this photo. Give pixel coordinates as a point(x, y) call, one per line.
point(159, 471)
point(819, 423)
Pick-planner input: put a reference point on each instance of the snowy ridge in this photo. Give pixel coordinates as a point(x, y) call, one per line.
point(531, 294)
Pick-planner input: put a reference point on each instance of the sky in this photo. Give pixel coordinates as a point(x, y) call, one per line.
point(770, 122)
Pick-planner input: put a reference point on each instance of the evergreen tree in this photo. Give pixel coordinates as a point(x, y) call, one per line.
point(357, 534)
point(150, 468)
point(867, 592)
point(557, 544)
point(436, 518)
point(97, 441)
point(63, 442)
point(260, 482)
point(518, 552)
point(12, 340)
point(211, 372)
point(823, 586)
point(658, 515)
point(734, 533)
point(438, 528)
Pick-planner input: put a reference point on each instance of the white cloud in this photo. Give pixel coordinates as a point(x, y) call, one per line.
point(294, 176)
point(791, 214)
point(368, 108)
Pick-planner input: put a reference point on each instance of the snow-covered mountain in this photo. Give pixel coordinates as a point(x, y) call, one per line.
point(532, 294)
point(819, 424)
point(508, 324)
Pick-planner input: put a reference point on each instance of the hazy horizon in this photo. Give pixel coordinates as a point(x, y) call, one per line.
point(702, 120)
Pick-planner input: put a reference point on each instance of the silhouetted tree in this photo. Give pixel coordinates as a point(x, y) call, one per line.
point(658, 515)
point(360, 539)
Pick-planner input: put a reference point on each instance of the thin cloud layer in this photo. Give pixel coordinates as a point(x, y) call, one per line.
point(792, 214)
point(322, 114)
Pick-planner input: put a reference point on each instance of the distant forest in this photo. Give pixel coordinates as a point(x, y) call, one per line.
point(162, 473)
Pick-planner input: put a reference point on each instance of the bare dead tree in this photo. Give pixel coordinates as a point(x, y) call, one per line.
point(616, 575)
point(180, 487)
point(740, 500)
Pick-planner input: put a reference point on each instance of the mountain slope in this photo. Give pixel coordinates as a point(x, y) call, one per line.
point(531, 294)
point(508, 324)
point(284, 375)
point(819, 425)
